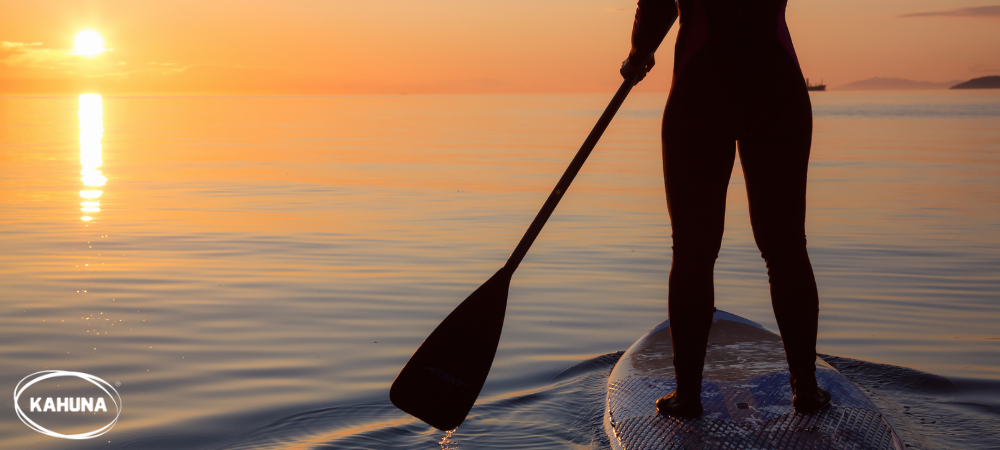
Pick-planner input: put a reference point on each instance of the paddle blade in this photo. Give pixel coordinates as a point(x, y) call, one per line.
point(443, 378)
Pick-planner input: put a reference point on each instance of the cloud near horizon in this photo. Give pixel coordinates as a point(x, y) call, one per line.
point(34, 67)
point(30, 54)
point(978, 11)
point(984, 68)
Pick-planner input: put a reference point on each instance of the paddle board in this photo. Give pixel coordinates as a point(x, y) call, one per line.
point(745, 393)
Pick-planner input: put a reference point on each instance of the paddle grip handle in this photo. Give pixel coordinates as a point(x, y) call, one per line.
point(567, 178)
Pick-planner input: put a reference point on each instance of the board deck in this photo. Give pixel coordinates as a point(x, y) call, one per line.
point(745, 393)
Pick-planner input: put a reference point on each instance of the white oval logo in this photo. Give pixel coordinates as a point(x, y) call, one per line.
point(78, 404)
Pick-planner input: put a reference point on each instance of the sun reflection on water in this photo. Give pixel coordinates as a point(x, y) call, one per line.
point(91, 131)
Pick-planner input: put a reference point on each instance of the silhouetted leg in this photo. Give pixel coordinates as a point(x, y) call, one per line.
point(775, 165)
point(698, 161)
point(775, 160)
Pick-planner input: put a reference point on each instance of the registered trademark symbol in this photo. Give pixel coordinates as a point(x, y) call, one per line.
point(118, 383)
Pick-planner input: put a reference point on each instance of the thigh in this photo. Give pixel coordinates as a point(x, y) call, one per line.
point(698, 155)
point(775, 157)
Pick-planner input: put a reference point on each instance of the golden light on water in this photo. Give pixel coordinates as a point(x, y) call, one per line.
point(91, 115)
point(88, 43)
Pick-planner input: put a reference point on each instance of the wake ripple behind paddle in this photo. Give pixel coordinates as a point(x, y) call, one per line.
point(564, 412)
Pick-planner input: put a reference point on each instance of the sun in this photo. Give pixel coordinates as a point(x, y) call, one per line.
point(88, 43)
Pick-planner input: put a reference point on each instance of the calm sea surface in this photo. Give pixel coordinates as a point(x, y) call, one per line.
point(255, 270)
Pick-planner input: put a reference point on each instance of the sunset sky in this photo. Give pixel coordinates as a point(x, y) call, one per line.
point(444, 46)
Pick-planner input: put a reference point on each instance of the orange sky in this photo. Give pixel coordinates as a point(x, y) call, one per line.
point(444, 46)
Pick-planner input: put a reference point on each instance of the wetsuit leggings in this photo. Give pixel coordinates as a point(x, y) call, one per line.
point(744, 93)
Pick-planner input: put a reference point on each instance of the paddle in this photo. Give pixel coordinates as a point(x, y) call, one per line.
point(444, 376)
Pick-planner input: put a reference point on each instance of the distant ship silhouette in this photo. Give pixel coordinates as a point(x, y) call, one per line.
point(815, 87)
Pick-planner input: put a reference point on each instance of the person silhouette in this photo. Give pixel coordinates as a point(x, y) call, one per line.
point(736, 80)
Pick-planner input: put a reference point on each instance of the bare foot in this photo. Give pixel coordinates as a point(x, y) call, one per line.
point(688, 407)
point(807, 397)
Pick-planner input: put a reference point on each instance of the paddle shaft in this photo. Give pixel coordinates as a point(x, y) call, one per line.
point(574, 167)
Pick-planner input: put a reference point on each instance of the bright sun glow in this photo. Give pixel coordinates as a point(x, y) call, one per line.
point(88, 43)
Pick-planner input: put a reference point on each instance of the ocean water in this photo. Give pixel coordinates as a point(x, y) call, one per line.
point(256, 270)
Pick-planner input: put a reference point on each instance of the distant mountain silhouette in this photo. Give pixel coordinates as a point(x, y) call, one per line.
point(880, 83)
point(990, 82)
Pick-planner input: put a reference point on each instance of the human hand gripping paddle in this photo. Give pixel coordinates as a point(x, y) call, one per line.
point(444, 376)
